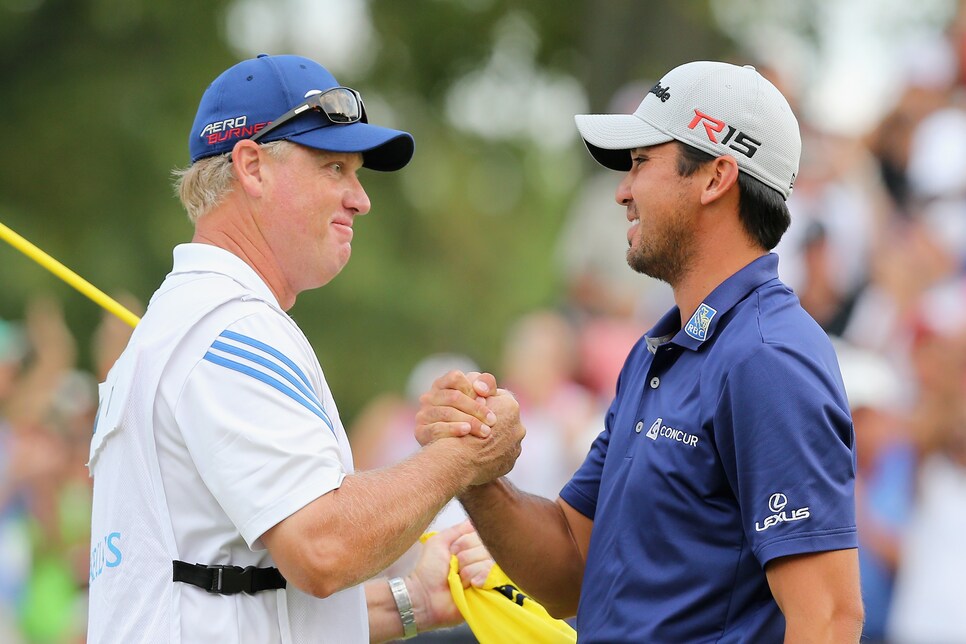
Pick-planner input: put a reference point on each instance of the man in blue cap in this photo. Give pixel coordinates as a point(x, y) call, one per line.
point(225, 503)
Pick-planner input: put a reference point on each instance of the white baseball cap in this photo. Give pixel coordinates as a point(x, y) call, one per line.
point(715, 107)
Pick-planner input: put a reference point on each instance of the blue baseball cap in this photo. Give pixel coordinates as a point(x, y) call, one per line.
point(248, 96)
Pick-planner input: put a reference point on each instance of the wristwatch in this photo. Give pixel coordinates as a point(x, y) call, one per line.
point(405, 606)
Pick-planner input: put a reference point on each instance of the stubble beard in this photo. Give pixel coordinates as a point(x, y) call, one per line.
point(666, 255)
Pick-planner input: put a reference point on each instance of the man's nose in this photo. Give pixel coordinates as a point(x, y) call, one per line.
point(623, 194)
point(356, 199)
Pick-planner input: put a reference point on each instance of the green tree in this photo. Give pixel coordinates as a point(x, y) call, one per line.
point(98, 97)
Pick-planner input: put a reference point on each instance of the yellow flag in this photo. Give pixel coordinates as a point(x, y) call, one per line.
point(498, 613)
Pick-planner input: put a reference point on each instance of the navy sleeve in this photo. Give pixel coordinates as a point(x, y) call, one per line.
point(786, 441)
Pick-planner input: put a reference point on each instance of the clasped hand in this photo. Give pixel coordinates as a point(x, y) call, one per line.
point(486, 419)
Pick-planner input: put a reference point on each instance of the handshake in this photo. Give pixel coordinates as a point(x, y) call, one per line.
point(481, 421)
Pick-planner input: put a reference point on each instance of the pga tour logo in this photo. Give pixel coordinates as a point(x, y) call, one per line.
point(776, 504)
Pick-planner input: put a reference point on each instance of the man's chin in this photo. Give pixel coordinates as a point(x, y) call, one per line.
point(642, 266)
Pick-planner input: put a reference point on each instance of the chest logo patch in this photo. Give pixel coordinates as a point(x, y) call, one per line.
point(659, 430)
point(697, 326)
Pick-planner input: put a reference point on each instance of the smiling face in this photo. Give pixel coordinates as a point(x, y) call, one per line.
point(658, 201)
point(315, 197)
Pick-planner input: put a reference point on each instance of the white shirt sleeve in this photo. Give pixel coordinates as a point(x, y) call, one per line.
point(253, 419)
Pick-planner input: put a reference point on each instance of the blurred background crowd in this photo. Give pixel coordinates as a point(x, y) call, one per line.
point(520, 245)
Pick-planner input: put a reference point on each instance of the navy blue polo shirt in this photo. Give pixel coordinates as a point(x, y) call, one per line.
point(729, 443)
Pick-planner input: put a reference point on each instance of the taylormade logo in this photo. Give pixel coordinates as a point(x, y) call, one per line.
point(662, 93)
point(659, 430)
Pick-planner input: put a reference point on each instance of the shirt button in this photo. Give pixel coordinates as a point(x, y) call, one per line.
point(639, 426)
point(655, 382)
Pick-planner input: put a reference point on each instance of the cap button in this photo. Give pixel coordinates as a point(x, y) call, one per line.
point(751, 67)
point(262, 56)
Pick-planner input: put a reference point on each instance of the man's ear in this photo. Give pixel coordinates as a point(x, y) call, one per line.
point(248, 165)
point(720, 176)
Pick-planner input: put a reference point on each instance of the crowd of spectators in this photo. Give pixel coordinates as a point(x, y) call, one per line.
point(877, 254)
point(47, 408)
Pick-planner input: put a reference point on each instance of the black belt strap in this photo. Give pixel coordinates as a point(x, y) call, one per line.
point(228, 580)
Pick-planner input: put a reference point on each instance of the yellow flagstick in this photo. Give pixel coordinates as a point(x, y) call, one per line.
point(67, 275)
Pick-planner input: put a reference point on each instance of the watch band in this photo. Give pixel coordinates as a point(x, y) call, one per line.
point(405, 606)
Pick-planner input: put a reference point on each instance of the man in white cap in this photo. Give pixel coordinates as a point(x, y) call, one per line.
point(225, 506)
point(717, 505)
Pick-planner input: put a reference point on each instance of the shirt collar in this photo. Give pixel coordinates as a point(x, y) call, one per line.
point(205, 258)
point(722, 299)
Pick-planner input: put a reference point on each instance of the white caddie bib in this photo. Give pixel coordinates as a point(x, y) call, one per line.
point(132, 544)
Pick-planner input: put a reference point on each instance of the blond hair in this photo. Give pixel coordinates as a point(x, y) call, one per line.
point(206, 182)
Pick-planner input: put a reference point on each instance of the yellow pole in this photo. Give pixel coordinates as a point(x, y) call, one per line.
point(67, 275)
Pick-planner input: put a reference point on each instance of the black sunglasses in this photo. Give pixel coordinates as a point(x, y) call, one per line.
point(341, 105)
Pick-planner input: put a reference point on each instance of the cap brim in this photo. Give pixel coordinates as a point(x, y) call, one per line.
point(382, 148)
point(609, 137)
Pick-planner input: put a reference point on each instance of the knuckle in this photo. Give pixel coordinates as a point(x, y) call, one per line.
point(434, 429)
point(451, 397)
point(442, 381)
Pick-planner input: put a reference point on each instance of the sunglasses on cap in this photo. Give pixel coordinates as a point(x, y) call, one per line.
point(340, 105)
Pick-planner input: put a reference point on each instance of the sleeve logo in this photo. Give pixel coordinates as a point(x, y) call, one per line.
point(776, 505)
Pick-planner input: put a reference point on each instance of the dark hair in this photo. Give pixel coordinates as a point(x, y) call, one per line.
point(761, 209)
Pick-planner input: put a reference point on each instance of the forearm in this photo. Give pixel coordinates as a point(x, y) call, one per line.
point(355, 531)
point(819, 595)
point(846, 629)
point(530, 538)
point(381, 513)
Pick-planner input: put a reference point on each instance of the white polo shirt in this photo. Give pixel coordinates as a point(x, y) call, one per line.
point(214, 425)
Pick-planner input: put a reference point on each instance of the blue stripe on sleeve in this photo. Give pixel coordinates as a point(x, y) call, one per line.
point(268, 364)
point(280, 386)
point(272, 351)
